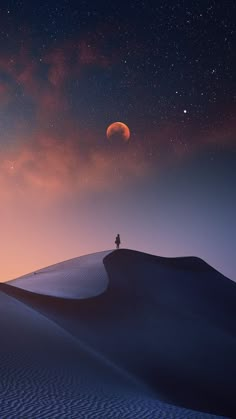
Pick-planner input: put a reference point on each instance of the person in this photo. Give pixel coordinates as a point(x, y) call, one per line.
point(117, 241)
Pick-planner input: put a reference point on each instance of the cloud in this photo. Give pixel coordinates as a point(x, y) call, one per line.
point(43, 78)
point(5, 93)
point(50, 169)
point(222, 135)
point(48, 162)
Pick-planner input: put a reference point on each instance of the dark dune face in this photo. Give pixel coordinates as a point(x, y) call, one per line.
point(185, 313)
point(169, 322)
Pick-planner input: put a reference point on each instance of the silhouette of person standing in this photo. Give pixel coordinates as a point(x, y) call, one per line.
point(117, 241)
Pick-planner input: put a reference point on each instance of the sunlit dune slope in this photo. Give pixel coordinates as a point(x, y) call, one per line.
point(80, 277)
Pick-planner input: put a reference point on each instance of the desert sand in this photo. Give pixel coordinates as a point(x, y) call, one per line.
point(119, 334)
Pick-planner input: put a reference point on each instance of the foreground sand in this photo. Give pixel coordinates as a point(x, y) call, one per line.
point(127, 353)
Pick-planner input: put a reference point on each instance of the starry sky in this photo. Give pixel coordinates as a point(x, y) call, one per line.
point(68, 69)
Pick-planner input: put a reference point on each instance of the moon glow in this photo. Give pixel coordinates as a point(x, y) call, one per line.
point(118, 130)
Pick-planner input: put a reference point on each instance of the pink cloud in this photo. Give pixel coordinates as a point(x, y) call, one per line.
point(58, 66)
point(43, 80)
point(5, 94)
point(49, 169)
point(223, 135)
point(88, 54)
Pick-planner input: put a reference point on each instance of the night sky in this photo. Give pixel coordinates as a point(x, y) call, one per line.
point(68, 69)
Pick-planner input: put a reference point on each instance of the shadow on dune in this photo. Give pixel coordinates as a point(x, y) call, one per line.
point(170, 322)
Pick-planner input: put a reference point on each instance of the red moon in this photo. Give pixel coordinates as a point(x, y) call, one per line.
point(118, 129)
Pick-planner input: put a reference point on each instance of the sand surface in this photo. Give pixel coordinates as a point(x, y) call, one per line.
point(80, 277)
point(159, 342)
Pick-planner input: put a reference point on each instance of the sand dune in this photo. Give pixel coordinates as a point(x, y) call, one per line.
point(46, 373)
point(161, 335)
